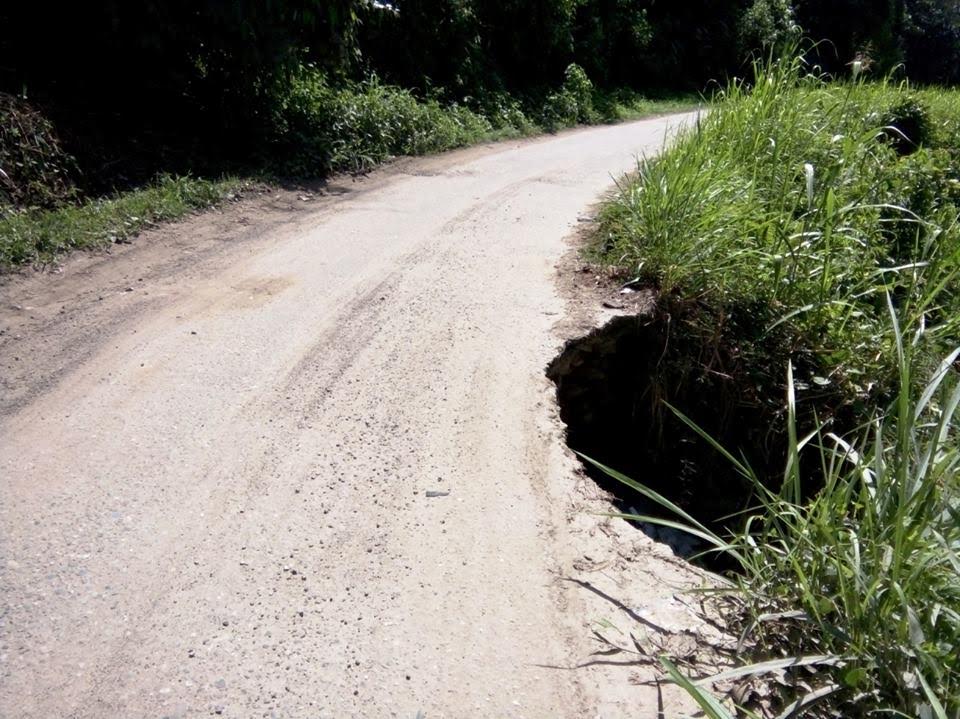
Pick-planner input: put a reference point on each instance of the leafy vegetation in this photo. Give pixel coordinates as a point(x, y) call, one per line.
point(136, 89)
point(317, 128)
point(797, 204)
point(121, 93)
point(800, 224)
point(826, 216)
point(322, 128)
point(864, 577)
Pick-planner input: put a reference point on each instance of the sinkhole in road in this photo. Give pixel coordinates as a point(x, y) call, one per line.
point(612, 388)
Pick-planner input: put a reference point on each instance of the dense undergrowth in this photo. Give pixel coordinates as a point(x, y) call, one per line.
point(813, 227)
point(315, 128)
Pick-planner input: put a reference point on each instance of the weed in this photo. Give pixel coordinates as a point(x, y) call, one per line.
point(786, 206)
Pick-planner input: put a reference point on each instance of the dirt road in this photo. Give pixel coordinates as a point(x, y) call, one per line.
point(219, 448)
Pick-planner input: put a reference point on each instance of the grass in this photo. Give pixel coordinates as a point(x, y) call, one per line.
point(866, 576)
point(825, 215)
point(39, 235)
point(786, 203)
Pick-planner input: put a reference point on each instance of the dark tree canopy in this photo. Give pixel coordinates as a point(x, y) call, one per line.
point(153, 83)
point(931, 42)
point(135, 87)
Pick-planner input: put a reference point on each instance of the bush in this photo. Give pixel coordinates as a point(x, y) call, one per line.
point(765, 24)
point(505, 113)
point(319, 128)
point(559, 111)
point(34, 169)
point(578, 86)
point(908, 123)
point(572, 103)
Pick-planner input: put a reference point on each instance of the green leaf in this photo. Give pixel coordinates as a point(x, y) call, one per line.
point(709, 703)
point(856, 677)
point(752, 670)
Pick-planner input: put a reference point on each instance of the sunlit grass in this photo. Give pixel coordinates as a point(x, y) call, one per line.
point(801, 207)
point(787, 203)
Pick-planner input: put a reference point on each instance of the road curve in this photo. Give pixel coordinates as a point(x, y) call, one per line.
point(217, 480)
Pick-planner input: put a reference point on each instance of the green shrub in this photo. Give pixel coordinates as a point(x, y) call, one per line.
point(765, 24)
point(559, 110)
point(907, 125)
point(320, 128)
point(572, 103)
point(505, 113)
point(578, 86)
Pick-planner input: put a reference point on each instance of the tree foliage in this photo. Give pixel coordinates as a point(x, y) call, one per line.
point(851, 28)
point(153, 84)
point(133, 88)
point(931, 41)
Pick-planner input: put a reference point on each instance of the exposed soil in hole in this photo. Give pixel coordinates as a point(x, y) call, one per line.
point(612, 386)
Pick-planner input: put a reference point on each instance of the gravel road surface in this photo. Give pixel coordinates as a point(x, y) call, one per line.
point(298, 458)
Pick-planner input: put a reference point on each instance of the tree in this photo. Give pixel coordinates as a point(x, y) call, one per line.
point(765, 25)
point(424, 43)
point(610, 37)
point(932, 41)
point(137, 86)
point(849, 29)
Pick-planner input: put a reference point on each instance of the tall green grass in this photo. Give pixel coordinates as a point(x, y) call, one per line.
point(789, 204)
point(827, 214)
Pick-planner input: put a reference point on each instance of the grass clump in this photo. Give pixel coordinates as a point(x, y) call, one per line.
point(852, 597)
point(38, 235)
point(824, 216)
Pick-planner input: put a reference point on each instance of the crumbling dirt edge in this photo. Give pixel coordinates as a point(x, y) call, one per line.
point(634, 594)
